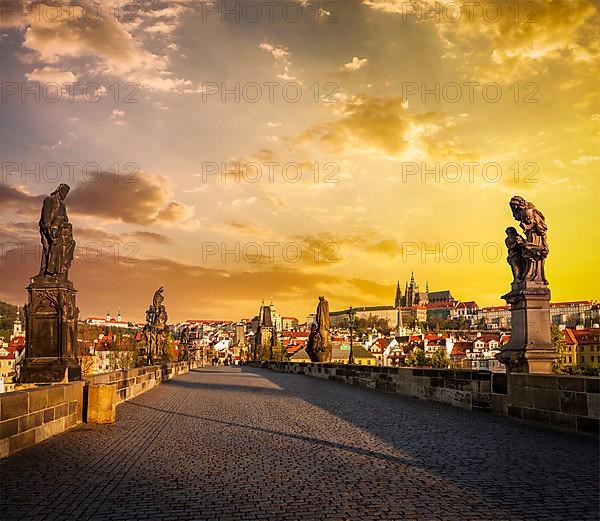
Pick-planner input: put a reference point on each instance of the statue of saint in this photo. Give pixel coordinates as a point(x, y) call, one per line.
point(318, 346)
point(323, 316)
point(534, 248)
point(156, 329)
point(160, 323)
point(56, 234)
point(514, 243)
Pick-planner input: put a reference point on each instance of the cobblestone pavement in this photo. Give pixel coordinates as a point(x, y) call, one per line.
point(251, 444)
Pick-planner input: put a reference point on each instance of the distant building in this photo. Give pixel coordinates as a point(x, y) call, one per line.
point(17, 326)
point(495, 317)
point(109, 321)
point(573, 313)
point(388, 313)
point(569, 314)
point(275, 317)
point(288, 323)
point(582, 348)
point(414, 297)
point(340, 354)
point(11, 353)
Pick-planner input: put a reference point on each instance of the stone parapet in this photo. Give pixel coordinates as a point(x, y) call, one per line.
point(32, 415)
point(567, 402)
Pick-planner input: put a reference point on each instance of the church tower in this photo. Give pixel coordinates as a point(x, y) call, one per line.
point(398, 299)
point(17, 326)
point(265, 338)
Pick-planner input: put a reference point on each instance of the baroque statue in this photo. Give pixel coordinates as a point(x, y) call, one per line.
point(156, 329)
point(530, 349)
point(527, 255)
point(319, 341)
point(51, 312)
point(56, 234)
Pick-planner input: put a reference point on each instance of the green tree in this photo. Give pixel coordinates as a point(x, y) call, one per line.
point(440, 358)
point(8, 313)
point(560, 347)
point(416, 358)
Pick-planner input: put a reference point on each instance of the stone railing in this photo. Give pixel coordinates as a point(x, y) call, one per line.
point(32, 415)
point(132, 382)
point(568, 402)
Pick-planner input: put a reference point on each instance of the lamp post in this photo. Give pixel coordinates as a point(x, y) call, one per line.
point(351, 315)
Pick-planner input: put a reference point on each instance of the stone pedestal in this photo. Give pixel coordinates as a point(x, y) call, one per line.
point(51, 337)
point(530, 349)
point(102, 403)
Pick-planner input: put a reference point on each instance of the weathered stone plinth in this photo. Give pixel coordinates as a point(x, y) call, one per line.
point(102, 403)
point(51, 332)
point(530, 349)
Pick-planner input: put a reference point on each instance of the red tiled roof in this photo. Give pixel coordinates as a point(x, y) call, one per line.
point(460, 348)
point(589, 336)
point(435, 336)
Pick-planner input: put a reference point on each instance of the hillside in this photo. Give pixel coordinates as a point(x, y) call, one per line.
point(8, 312)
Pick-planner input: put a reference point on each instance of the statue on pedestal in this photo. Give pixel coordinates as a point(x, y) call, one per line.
point(51, 313)
point(529, 253)
point(319, 346)
point(56, 234)
point(156, 329)
point(530, 349)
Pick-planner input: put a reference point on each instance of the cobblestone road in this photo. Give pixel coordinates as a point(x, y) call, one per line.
point(250, 444)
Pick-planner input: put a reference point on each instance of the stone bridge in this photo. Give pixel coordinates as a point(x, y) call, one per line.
point(254, 444)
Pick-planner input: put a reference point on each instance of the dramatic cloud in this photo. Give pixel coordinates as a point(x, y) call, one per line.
point(507, 36)
point(380, 124)
point(143, 199)
point(16, 198)
point(58, 35)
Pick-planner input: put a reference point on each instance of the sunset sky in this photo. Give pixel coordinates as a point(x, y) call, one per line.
point(503, 97)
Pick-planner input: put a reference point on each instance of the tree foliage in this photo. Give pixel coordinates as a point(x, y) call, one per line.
point(416, 358)
point(8, 313)
point(440, 358)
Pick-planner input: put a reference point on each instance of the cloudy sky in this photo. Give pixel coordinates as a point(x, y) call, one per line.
point(240, 151)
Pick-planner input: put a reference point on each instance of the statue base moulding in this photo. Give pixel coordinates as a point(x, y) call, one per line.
point(530, 349)
point(51, 332)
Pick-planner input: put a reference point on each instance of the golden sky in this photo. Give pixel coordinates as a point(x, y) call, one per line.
point(235, 152)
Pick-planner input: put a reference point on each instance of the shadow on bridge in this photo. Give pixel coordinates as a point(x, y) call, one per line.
point(299, 437)
point(520, 470)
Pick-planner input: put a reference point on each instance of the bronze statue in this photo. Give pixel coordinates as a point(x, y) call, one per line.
point(527, 256)
point(57, 235)
point(318, 347)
